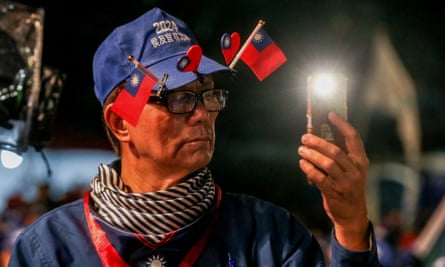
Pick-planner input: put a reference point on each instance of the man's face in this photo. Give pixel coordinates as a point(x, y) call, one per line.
point(178, 142)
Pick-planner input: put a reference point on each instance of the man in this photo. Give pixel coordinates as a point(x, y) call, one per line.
point(158, 205)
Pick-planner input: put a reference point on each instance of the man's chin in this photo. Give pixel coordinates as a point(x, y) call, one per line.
point(200, 159)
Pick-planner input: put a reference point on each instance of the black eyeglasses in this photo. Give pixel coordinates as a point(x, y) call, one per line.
point(185, 101)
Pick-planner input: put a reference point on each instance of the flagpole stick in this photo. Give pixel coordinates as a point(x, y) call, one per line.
point(141, 67)
point(246, 43)
point(138, 65)
point(309, 126)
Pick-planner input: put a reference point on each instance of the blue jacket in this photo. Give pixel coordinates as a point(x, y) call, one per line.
point(247, 232)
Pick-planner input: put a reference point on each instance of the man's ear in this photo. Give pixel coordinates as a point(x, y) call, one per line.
point(115, 123)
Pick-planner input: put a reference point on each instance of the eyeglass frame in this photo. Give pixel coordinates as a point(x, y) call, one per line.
point(162, 99)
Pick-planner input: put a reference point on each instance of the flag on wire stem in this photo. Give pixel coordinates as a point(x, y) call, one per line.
point(262, 55)
point(230, 43)
point(132, 99)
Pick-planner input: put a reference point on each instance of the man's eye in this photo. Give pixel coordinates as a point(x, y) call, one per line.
point(186, 98)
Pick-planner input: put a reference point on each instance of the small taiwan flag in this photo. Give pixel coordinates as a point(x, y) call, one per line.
point(262, 55)
point(131, 100)
point(230, 44)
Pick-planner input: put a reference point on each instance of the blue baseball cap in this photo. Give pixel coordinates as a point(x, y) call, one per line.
point(157, 40)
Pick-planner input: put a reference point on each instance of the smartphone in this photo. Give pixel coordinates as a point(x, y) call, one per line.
point(326, 92)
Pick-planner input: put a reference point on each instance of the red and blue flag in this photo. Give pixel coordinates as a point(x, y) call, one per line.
point(262, 55)
point(131, 100)
point(230, 44)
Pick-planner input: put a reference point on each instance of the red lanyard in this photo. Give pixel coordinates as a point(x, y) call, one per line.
point(111, 258)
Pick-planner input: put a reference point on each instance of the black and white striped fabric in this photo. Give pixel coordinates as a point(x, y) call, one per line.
point(153, 214)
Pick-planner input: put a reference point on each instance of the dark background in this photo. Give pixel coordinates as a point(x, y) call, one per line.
point(311, 33)
point(258, 135)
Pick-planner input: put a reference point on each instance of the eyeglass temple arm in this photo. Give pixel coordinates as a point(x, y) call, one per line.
point(162, 84)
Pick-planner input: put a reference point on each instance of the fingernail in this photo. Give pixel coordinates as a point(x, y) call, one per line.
point(301, 150)
point(303, 138)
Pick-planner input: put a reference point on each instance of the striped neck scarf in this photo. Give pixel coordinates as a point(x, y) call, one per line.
point(153, 214)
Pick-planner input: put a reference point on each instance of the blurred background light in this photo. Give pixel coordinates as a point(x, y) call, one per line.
point(10, 159)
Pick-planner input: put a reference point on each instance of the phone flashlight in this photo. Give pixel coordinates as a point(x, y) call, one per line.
point(326, 92)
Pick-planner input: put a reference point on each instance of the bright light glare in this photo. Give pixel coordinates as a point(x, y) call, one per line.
point(324, 84)
point(10, 159)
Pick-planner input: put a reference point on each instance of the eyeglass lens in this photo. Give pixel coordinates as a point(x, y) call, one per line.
point(185, 101)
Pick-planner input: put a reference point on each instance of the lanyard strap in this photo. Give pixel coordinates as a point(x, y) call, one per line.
point(107, 253)
point(111, 258)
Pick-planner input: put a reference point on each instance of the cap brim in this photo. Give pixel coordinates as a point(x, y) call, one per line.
point(177, 78)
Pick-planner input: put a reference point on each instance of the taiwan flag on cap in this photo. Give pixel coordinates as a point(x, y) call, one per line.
point(262, 55)
point(131, 100)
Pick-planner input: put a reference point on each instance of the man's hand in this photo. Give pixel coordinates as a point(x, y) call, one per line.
point(341, 178)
